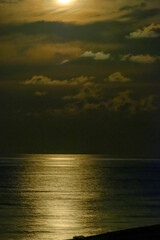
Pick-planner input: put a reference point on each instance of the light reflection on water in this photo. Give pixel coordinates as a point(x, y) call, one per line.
point(46, 197)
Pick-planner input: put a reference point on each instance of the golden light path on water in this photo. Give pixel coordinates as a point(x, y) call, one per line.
point(59, 195)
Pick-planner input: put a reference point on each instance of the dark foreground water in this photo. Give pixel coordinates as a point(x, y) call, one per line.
point(44, 197)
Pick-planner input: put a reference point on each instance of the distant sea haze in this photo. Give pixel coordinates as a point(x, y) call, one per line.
point(60, 196)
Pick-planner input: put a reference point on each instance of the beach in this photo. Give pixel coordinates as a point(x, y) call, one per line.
point(146, 233)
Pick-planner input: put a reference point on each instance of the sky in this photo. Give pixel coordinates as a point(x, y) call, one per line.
point(80, 77)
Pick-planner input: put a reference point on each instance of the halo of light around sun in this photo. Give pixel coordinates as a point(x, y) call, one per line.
point(64, 1)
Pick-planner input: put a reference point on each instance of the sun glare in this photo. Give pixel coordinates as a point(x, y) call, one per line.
point(64, 1)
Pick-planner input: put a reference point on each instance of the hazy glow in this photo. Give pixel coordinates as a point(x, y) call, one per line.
point(64, 1)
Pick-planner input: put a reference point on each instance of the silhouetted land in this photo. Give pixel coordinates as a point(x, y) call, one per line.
point(142, 233)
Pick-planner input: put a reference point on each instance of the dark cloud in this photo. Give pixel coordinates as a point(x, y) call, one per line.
point(122, 102)
point(142, 14)
point(10, 1)
point(129, 7)
point(63, 32)
point(60, 118)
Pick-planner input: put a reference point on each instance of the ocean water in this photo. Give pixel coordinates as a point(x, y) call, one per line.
point(55, 197)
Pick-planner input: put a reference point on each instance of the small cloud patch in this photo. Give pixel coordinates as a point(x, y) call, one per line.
point(40, 94)
point(96, 56)
point(64, 61)
point(38, 80)
point(117, 77)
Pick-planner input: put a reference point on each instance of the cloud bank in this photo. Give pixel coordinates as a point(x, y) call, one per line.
point(146, 32)
point(140, 58)
point(43, 80)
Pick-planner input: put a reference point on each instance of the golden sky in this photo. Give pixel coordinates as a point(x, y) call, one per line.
point(77, 11)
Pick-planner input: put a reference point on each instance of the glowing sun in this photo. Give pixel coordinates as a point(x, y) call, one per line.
point(64, 1)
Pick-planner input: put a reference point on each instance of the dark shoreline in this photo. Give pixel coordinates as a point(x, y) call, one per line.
point(144, 233)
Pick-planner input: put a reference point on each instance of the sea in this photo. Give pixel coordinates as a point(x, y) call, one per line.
point(57, 197)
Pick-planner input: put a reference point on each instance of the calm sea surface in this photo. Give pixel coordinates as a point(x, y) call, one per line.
point(44, 197)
